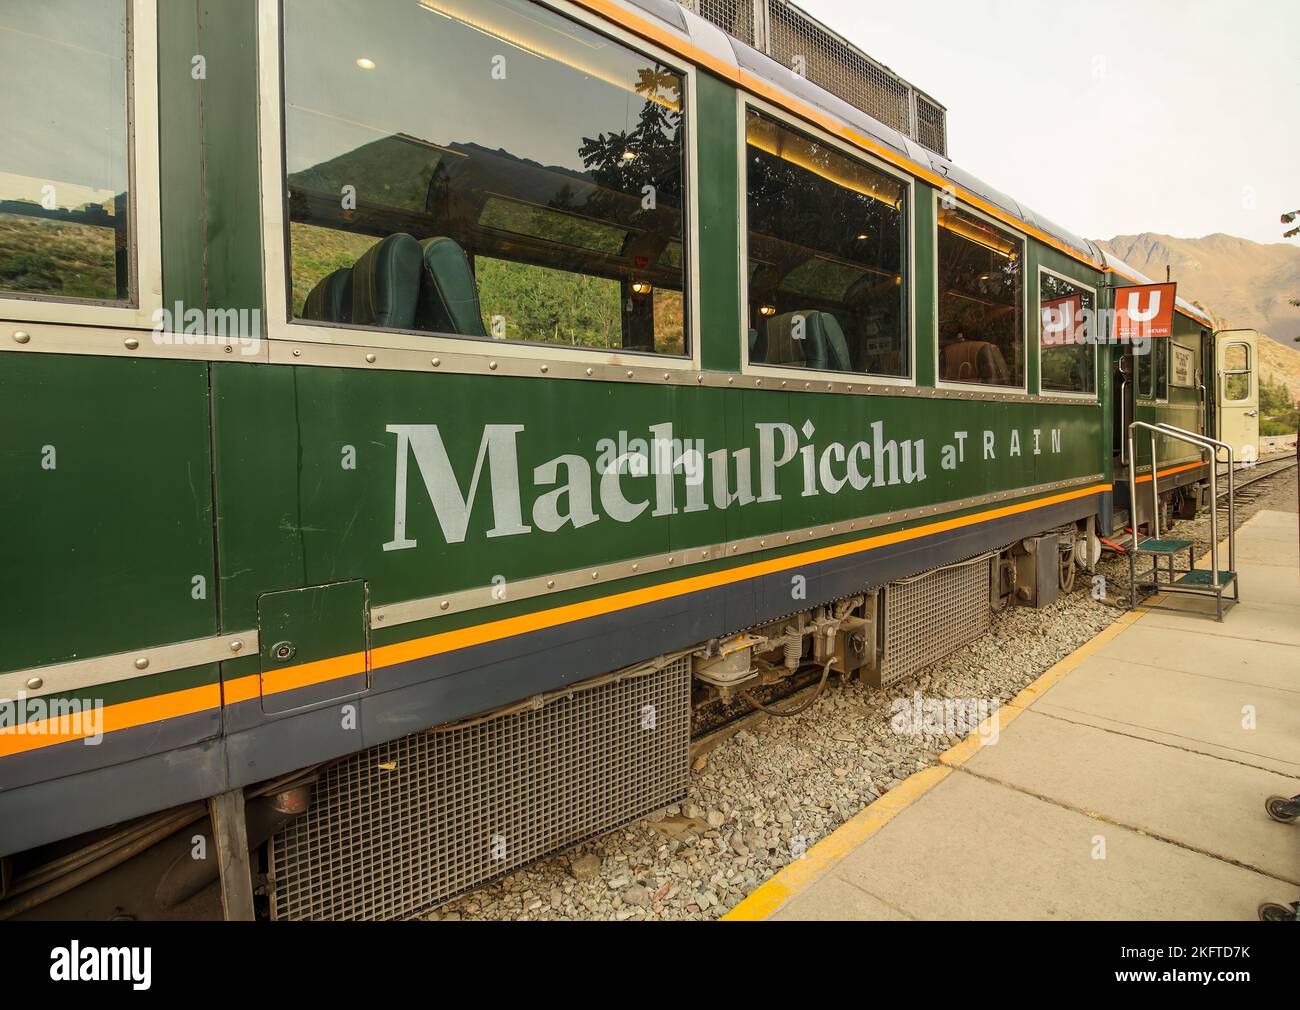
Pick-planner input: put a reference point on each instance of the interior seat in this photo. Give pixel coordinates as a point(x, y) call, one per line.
point(386, 284)
point(448, 299)
point(823, 345)
point(973, 361)
point(330, 301)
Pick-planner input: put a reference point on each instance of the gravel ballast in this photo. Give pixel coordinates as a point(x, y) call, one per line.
point(767, 794)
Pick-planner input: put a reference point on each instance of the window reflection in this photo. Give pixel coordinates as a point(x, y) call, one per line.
point(981, 320)
point(64, 202)
point(1067, 347)
point(826, 247)
point(493, 170)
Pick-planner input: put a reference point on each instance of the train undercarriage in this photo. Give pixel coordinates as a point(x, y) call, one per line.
point(396, 830)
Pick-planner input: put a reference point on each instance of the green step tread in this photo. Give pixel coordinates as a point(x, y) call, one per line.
point(1201, 577)
point(1163, 546)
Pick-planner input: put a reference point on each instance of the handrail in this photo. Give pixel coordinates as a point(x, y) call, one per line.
point(1232, 481)
point(1206, 444)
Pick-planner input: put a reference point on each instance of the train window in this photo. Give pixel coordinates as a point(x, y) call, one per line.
point(1236, 372)
point(483, 168)
point(1145, 370)
point(827, 244)
point(64, 167)
point(1153, 370)
point(981, 301)
point(1068, 351)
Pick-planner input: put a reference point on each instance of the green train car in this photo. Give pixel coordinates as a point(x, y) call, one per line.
point(413, 410)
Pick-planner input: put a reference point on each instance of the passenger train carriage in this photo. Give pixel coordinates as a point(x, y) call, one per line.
point(412, 409)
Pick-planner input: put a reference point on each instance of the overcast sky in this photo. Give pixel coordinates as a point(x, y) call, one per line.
point(1112, 116)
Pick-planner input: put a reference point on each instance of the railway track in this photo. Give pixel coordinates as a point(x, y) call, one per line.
point(1258, 472)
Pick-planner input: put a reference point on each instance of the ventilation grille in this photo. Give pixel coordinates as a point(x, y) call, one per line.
point(931, 125)
point(401, 828)
point(934, 615)
point(838, 67)
point(802, 43)
point(735, 17)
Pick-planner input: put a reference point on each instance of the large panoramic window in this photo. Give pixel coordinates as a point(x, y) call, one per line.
point(981, 299)
point(826, 250)
point(1067, 349)
point(483, 168)
point(64, 165)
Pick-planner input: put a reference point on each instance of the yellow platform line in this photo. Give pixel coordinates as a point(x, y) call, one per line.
point(793, 879)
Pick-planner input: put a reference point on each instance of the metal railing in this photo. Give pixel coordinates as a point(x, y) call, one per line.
point(1206, 444)
point(790, 36)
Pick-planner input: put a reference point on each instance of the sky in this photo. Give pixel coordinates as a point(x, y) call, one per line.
point(1111, 117)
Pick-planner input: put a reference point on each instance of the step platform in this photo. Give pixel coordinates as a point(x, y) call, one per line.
point(1170, 579)
point(1202, 579)
point(1154, 546)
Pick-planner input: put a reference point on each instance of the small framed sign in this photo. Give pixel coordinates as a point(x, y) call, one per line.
point(1183, 370)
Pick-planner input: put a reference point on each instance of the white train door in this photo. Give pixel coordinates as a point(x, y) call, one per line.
point(1236, 362)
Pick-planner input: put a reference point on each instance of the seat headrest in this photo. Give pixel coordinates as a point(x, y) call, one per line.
point(973, 361)
point(386, 284)
point(330, 301)
point(448, 295)
point(822, 344)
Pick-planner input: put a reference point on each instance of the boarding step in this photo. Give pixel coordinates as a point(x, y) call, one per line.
point(1153, 546)
point(1202, 579)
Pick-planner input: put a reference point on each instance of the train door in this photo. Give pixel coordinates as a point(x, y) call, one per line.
point(1238, 391)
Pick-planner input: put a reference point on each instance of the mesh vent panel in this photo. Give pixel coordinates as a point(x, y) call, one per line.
point(933, 616)
point(400, 828)
point(802, 43)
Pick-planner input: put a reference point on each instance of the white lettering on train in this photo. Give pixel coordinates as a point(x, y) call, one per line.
point(664, 473)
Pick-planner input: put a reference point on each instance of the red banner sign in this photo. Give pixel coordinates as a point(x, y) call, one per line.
point(1063, 322)
point(1145, 311)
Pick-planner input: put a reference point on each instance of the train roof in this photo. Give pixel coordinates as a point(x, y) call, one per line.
point(713, 49)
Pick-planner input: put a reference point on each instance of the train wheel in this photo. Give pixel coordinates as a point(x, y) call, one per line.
point(1282, 809)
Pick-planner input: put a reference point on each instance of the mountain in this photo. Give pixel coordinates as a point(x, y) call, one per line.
point(1241, 283)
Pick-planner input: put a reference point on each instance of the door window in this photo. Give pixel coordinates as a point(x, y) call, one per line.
point(1236, 372)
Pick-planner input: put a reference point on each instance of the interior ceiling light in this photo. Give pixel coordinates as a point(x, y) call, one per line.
point(365, 63)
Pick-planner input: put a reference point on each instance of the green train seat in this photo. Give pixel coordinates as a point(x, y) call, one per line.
point(330, 301)
point(386, 284)
point(822, 346)
point(448, 299)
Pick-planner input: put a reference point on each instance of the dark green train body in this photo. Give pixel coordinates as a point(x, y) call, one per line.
point(350, 514)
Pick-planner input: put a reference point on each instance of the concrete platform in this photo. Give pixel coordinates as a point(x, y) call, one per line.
point(1126, 783)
